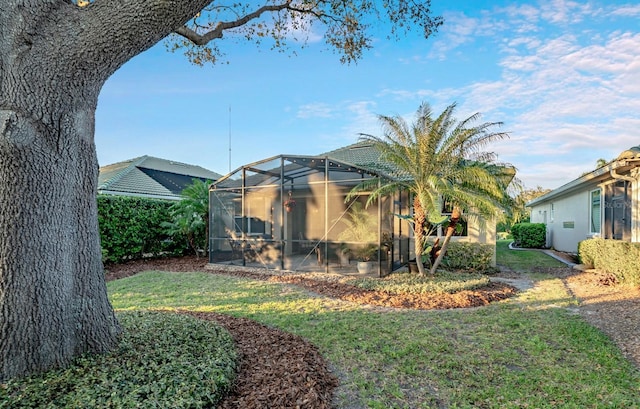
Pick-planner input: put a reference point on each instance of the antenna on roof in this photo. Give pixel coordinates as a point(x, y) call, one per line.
point(229, 138)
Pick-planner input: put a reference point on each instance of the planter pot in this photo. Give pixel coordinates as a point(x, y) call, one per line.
point(366, 267)
point(413, 266)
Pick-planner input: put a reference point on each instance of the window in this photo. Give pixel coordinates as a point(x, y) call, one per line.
point(594, 211)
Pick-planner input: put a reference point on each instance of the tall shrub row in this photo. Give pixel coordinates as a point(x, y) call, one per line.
point(130, 228)
point(618, 258)
point(529, 235)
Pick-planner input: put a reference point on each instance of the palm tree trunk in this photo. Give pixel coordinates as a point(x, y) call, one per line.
point(455, 217)
point(419, 219)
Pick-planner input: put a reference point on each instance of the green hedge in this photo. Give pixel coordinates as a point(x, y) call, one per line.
point(618, 258)
point(529, 235)
point(130, 228)
point(469, 256)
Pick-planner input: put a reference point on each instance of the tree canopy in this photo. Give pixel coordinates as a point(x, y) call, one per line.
point(55, 56)
point(346, 26)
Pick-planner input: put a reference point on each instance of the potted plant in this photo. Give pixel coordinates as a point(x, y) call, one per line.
point(360, 236)
point(289, 204)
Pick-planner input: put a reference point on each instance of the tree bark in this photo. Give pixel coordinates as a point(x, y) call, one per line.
point(54, 59)
point(451, 229)
point(419, 220)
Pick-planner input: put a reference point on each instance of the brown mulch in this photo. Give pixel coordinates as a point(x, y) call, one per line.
point(278, 369)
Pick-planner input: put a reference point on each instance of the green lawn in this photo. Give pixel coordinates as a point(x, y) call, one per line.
point(522, 260)
point(531, 351)
point(528, 352)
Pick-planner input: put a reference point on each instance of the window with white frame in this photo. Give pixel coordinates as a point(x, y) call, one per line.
point(595, 211)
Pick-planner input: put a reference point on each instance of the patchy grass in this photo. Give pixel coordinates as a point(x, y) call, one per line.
point(530, 351)
point(163, 360)
point(523, 260)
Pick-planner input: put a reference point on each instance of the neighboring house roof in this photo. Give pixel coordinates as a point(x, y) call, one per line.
point(627, 160)
point(147, 176)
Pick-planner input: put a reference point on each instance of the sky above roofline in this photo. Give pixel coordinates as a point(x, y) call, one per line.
point(562, 76)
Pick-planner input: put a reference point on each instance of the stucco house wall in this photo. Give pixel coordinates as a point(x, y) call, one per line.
point(567, 220)
point(602, 203)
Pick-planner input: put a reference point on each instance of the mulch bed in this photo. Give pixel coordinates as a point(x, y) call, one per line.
point(278, 369)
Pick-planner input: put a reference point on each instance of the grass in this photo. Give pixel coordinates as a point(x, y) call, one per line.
point(522, 260)
point(531, 351)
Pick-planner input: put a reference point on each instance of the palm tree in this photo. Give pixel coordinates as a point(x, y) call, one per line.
point(441, 160)
point(190, 216)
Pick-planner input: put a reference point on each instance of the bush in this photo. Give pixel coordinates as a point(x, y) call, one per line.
point(164, 360)
point(529, 235)
point(469, 256)
point(130, 228)
point(411, 283)
point(620, 259)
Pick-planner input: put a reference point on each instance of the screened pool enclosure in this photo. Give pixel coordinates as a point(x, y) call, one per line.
point(290, 213)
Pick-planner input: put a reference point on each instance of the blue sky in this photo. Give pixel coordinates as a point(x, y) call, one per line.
point(563, 76)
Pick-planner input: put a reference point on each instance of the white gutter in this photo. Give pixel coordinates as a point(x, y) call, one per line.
point(133, 194)
point(616, 175)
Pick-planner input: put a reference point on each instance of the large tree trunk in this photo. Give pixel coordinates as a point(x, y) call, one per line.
point(54, 59)
point(53, 299)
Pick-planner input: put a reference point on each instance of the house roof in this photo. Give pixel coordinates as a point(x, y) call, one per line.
point(361, 157)
point(147, 176)
point(627, 160)
point(361, 154)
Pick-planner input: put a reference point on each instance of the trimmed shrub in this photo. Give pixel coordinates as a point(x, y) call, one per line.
point(620, 259)
point(529, 235)
point(130, 228)
point(469, 256)
point(164, 360)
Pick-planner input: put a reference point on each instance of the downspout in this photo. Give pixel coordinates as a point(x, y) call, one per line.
point(618, 176)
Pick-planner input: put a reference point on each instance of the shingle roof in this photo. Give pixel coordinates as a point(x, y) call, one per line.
point(360, 154)
point(150, 177)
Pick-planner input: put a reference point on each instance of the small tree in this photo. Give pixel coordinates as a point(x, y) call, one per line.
point(441, 160)
point(360, 231)
point(520, 213)
point(190, 216)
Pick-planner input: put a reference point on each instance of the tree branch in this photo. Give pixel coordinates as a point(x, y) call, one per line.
point(216, 33)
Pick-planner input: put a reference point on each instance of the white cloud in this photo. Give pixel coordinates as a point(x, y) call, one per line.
point(565, 11)
point(315, 110)
point(631, 10)
point(568, 97)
